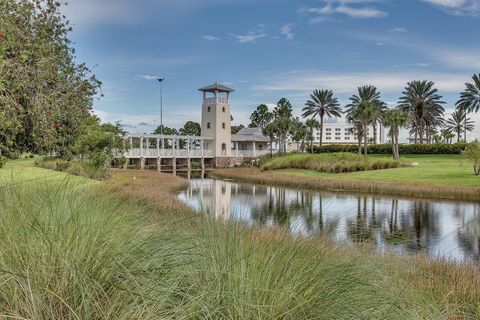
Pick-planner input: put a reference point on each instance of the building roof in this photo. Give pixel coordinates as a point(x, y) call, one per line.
point(250, 134)
point(216, 87)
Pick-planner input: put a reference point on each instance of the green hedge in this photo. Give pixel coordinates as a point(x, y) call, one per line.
point(436, 148)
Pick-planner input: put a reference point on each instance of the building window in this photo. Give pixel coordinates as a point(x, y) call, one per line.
point(209, 109)
point(347, 138)
point(328, 138)
point(223, 125)
point(338, 129)
point(223, 109)
point(337, 133)
point(208, 125)
point(224, 146)
point(337, 138)
point(328, 129)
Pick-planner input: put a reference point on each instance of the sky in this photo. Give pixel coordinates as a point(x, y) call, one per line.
point(268, 49)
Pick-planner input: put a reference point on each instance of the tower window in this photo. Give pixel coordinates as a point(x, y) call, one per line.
point(209, 109)
point(223, 109)
point(223, 125)
point(208, 125)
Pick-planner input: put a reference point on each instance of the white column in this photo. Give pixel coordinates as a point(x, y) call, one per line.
point(254, 149)
point(148, 145)
point(201, 147)
point(141, 146)
point(188, 147)
point(236, 148)
point(158, 147)
point(163, 146)
point(130, 141)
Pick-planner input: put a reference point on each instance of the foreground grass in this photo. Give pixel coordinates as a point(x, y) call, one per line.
point(127, 249)
point(430, 176)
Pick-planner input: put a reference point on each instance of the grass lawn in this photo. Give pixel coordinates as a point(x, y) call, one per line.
point(24, 170)
point(428, 169)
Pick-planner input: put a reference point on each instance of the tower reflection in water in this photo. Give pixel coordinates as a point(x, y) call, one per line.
point(436, 228)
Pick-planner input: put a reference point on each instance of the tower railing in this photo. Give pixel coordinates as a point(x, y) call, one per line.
point(215, 100)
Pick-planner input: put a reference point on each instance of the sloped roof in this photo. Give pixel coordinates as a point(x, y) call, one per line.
point(216, 87)
point(250, 134)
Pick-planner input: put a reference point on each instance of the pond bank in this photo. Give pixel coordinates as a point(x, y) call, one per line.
point(305, 179)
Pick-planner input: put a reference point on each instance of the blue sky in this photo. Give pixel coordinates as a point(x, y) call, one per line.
point(268, 49)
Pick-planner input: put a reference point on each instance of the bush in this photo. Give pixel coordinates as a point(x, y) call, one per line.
point(472, 155)
point(119, 162)
point(435, 148)
point(62, 165)
point(332, 162)
point(3, 161)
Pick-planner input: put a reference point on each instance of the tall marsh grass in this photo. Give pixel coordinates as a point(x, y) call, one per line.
point(76, 251)
point(331, 162)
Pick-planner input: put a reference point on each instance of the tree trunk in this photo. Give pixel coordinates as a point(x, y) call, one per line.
point(375, 132)
point(365, 139)
point(311, 140)
point(359, 143)
point(321, 132)
point(458, 136)
point(416, 135)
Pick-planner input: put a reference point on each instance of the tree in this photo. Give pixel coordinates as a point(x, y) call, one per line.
point(236, 129)
point(472, 154)
point(361, 116)
point(190, 129)
point(45, 96)
point(424, 105)
point(261, 117)
point(283, 121)
point(270, 131)
point(299, 133)
point(311, 125)
point(470, 98)
point(447, 135)
point(459, 123)
point(368, 94)
point(166, 131)
point(395, 119)
point(321, 104)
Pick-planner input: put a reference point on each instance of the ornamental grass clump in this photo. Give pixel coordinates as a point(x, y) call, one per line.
point(332, 162)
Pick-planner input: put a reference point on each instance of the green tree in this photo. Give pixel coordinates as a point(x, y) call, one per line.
point(261, 117)
point(236, 129)
point(312, 124)
point(191, 129)
point(458, 123)
point(472, 154)
point(299, 133)
point(321, 104)
point(283, 121)
point(166, 131)
point(361, 116)
point(368, 94)
point(470, 97)
point(271, 131)
point(45, 96)
point(424, 105)
point(395, 119)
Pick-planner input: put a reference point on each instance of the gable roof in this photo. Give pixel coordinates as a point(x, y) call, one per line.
point(250, 134)
point(216, 87)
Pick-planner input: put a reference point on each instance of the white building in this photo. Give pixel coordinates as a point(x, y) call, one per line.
point(334, 133)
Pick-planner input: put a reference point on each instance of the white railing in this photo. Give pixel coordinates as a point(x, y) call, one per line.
point(215, 100)
point(180, 153)
point(249, 153)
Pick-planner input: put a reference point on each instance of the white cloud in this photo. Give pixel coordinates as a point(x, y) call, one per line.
point(306, 81)
point(210, 38)
point(252, 36)
point(349, 8)
point(399, 30)
point(457, 7)
point(286, 31)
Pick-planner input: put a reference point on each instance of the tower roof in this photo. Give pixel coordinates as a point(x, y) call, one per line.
point(216, 88)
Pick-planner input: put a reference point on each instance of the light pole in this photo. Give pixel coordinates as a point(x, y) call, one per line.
point(161, 104)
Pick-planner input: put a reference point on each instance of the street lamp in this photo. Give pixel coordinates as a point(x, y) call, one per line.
point(161, 104)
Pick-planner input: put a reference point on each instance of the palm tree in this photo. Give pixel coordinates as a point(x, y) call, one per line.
point(311, 125)
point(447, 135)
point(283, 120)
point(365, 109)
point(470, 97)
point(459, 122)
point(424, 105)
point(361, 117)
point(321, 104)
point(395, 119)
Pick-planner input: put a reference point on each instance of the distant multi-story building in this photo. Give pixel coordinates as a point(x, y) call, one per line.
point(334, 133)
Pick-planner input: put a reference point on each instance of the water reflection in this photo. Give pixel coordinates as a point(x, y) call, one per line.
point(437, 228)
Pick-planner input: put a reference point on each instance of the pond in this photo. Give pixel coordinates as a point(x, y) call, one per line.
point(447, 229)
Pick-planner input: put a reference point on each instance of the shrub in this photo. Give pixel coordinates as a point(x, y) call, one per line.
point(3, 161)
point(119, 162)
point(472, 155)
point(62, 165)
point(331, 162)
point(436, 148)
